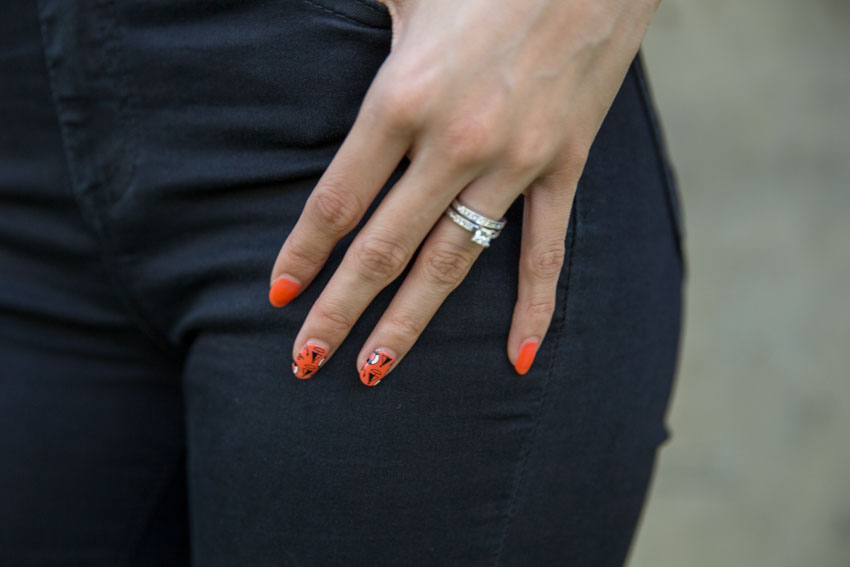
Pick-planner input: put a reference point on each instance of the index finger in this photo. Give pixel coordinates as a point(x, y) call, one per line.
point(367, 157)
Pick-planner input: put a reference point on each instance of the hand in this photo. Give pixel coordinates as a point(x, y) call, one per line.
point(489, 100)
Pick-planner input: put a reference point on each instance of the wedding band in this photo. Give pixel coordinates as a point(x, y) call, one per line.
point(478, 218)
point(481, 235)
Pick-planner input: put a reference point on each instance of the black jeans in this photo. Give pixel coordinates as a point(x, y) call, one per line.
point(154, 155)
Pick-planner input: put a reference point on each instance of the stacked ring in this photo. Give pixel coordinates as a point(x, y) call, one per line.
point(484, 229)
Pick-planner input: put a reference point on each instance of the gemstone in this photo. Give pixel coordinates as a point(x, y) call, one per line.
point(481, 237)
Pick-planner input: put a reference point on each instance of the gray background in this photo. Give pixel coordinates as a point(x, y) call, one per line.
point(754, 98)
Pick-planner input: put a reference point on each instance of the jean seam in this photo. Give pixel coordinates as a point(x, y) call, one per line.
point(672, 199)
point(119, 78)
point(89, 210)
point(371, 7)
point(111, 255)
point(341, 15)
point(519, 475)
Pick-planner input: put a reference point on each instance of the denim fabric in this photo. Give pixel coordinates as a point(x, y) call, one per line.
point(154, 154)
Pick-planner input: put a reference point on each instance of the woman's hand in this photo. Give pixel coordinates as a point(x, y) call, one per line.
point(489, 100)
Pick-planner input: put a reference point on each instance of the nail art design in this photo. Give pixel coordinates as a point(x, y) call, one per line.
point(374, 369)
point(308, 360)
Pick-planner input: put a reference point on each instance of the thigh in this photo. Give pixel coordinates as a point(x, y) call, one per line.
point(234, 112)
point(91, 432)
point(588, 465)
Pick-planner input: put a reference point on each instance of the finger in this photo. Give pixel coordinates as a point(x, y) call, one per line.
point(381, 250)
point(546, 214)
point(443, 262)
point(367, 157)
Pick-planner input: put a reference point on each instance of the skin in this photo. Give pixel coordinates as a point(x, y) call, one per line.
point(489, 100)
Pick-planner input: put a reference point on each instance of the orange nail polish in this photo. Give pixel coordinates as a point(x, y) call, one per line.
point(526, 355)
point(283, 291)
point(308, 360)
point(376, 367)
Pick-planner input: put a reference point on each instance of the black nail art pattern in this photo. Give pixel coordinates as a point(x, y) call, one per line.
point(308, 360)
point(374, 369)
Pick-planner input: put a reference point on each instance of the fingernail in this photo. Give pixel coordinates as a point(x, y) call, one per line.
point(283, 290)
point(309, 359)
point(527, 350)
point(377, 366)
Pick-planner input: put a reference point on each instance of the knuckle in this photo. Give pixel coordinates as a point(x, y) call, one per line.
point(407, 326)
point(401, 105)
point(446, 265)
point(539, 309)
point(397, 114)
point(379, 258)
point(573, 158)
point(336, 206)
point(336, 320)
point(545, 262)
point(529, 153)
point(302, 257)
point(467, 140)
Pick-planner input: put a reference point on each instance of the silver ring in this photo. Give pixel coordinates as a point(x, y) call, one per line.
point(481, 235)
point(478, 218)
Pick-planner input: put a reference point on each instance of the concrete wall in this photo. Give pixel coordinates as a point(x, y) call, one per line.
point(754, 97)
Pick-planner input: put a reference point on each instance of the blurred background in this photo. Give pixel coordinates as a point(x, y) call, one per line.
point(754, 99)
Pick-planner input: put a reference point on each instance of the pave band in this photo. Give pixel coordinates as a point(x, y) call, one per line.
point(483, 229)
point(478, 218)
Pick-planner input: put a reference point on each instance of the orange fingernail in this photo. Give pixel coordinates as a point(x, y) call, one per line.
point(309, 359)
point(376, 367)
point(283, 291)
point(526, 355)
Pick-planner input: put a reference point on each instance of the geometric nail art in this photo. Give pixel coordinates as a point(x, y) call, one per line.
point(376, 367)
point(308, 360)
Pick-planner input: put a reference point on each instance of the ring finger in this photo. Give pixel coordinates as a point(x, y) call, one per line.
point(442, 263)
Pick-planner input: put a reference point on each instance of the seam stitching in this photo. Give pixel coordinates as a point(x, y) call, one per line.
point(371, 7)
point(118, 193)
point(87, 210)
point(520, 474)
point(118, 76)
point(662, 158)
point(341, 15)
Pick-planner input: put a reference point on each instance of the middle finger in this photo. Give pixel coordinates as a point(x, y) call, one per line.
point(381, 250)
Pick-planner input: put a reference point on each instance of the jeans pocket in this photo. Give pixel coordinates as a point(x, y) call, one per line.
point(671, 183)
point(370, 13)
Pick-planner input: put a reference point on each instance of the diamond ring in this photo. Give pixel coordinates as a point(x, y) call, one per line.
point(484, 229)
